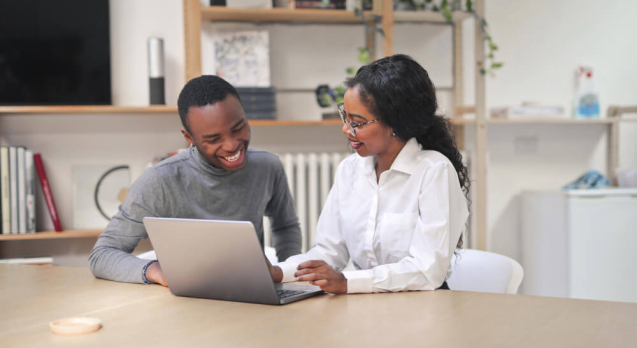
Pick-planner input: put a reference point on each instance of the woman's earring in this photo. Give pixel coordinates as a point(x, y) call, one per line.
point(192, 145)
point(393, 134)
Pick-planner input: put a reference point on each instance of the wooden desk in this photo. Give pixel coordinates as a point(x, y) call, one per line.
point(149, 316)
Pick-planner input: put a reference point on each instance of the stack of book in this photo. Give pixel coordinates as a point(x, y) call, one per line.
point(17, 190)
point(320, 4)
point(17, 185)
point(259, 103)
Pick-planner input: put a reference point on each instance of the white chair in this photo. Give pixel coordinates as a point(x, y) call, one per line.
point(483, 271)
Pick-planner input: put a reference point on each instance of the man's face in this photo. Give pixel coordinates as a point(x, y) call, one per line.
point(220, 132)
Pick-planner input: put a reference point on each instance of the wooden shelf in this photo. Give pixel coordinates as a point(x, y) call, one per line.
point(551, 121)
point(427, 17)
point(267, 123)
point(50, 235)
point(283, 123)
point(224, 14)
point(89, 109)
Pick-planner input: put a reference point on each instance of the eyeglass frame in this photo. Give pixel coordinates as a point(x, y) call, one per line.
point(351, 126)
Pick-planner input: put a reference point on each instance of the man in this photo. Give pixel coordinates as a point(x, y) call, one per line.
point(217, 178)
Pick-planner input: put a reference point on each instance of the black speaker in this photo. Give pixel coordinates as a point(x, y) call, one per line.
point(156, 71)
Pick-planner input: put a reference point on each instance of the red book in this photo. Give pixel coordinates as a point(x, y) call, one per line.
point(46, 189)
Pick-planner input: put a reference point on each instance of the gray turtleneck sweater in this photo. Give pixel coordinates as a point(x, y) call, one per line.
point(188, 186)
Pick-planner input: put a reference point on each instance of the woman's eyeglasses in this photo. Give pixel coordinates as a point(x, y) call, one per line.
point(351, 126)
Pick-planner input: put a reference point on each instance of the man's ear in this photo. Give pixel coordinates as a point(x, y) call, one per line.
point(188, 137)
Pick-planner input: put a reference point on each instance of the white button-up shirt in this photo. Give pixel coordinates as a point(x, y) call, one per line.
point(400, 232)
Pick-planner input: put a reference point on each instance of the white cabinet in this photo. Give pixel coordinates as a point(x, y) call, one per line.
point(580, 244)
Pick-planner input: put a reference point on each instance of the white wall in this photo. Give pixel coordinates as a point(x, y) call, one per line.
point(541, 42)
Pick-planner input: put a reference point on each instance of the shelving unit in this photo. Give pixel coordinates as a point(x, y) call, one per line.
point(194, 14)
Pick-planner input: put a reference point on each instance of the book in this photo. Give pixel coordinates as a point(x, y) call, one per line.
point(30, 191)
point(22, 194)
point(13, 187)
point(320, 4)
point(5, 198)
point(46, 189)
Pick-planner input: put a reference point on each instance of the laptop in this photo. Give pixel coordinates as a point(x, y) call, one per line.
point(219, 260)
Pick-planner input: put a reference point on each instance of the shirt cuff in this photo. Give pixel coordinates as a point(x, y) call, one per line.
point(360, 281)
point(288, 268)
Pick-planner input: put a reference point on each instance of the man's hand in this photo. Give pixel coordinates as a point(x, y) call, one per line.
point(277, 273)
point(321, 274)
point(155, 274)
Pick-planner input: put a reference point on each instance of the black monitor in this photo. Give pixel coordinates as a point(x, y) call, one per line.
point(54, 52)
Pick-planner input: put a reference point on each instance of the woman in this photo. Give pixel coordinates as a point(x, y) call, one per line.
point(398, 206)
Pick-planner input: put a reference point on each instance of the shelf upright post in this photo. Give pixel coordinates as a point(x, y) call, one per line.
point(387, 21)
point(481, 135)
point(192, 38)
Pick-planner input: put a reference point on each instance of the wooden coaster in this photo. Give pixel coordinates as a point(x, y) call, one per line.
point(75, 326)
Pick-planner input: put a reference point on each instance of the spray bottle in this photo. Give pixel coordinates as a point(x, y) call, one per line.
point(586, 103)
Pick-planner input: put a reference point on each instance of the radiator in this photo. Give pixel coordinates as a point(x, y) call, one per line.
point(310, 177)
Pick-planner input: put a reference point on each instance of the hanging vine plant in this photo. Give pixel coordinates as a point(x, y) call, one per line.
point(447, 8)
point(328, 96)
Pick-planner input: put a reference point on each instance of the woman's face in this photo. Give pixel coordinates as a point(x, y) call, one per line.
point(371, 139)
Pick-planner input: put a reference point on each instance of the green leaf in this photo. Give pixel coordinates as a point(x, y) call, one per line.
point(493, 46)
point(435, 8)
point(339, 99)
point(495, 65)
point(380, 31)
point(428, 1)
point(350, 71)
point(484, 23)
point(483, 71)
point(357, 12)
point(327, 99)
point(364, 56)
point(447, 13)
point(490, 56)
point(469, 5)
point(340, 90)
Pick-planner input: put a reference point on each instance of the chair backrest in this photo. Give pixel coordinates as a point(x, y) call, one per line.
point(483, 271)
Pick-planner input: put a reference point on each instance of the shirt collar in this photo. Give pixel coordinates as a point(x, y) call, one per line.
point(406, 161)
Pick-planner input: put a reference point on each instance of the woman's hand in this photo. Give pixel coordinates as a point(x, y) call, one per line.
point(321, 274)
point(277, 273)
point(155, 274)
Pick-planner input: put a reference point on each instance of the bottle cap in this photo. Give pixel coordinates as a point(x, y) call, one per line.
point(75, 326)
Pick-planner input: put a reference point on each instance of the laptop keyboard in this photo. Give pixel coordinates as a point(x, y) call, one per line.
point(288, 293)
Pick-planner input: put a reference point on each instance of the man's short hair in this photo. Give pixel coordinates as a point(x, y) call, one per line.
point(201, 91)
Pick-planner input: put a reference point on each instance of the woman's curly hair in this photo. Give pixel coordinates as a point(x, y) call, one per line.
point(398, 91)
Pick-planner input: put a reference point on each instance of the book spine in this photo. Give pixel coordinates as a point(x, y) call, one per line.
point(30, 175)
point(13, 187)
point(22, 192)
point(5, 195)
point(46, 189)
